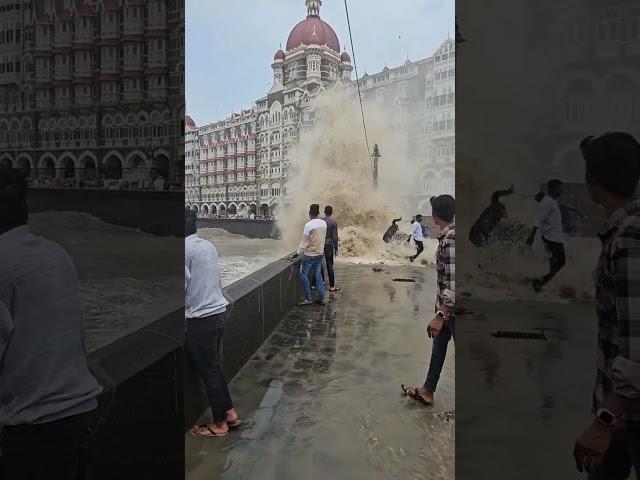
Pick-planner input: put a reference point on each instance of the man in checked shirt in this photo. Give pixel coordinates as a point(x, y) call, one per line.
point(442, 326)
point(610, 447)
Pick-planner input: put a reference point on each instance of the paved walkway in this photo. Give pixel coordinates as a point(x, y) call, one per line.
point(530, 398)
point(324, 391)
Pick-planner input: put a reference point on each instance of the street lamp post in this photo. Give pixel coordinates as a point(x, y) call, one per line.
point(375, 156)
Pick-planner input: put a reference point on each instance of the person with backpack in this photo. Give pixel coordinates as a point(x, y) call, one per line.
point(418, 237)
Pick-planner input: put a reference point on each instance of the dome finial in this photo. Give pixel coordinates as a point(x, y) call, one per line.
point(313, 7)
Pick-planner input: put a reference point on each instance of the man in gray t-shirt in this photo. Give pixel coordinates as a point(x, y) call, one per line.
point(48, 396)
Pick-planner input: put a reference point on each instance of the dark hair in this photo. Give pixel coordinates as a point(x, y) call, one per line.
point(553, 184)
point(314, 209)
point(444, 207)
point(14, 211)
point(613, 162)
point(418, 217)
point(190, 222)
point(328, 210)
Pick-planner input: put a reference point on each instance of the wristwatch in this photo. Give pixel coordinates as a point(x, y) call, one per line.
point(606, 417)
point(440, 314)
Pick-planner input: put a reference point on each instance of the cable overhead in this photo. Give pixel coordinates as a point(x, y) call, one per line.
point(355, 67)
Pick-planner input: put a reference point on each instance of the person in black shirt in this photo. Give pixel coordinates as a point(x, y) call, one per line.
point(489, 219)
point(330, 250)
point(391, 231)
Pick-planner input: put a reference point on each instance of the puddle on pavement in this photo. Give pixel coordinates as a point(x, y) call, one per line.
point(324, 393)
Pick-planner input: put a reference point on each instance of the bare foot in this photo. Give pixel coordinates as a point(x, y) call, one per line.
point(426, 395)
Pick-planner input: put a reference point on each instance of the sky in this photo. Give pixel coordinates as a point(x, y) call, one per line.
point(230, 43)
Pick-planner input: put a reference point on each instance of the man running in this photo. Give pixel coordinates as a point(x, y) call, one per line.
point(205, 312)
point(391, 231)
point(489, 219)
point(312, 250)
point(442, 326)
point(549, 222)
point(609, 448)
point(418, 237)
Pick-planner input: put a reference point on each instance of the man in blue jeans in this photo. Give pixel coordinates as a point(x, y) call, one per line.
point(442, 326)
point(312, 250)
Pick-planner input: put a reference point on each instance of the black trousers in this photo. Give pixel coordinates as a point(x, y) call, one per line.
point(204, 344)
point(57, 450)
point(557, 259)
point(420, 248)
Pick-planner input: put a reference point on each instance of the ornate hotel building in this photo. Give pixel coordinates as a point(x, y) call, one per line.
point(241, 164)
point(92, 91)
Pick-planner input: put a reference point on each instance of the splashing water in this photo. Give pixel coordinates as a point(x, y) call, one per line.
point(333, 168)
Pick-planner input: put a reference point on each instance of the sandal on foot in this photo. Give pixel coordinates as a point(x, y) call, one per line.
point(334, 289)
point(413, 393)
point(210, 431)
point(235, 424)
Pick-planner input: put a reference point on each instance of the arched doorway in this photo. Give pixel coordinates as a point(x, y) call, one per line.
point(6, 162)
point(214, 210)
point(196, 209)
point(90, 169)
point(273, 210)
point(223, 211)
point(233, 209)
point(205, 210)
point(242, 210)
point(113, 168)
point(48, 169)
point(137, 168)
point(24, 165)
point(264, 209)
point(253, 208)
point(68, 168)
point(161, 162)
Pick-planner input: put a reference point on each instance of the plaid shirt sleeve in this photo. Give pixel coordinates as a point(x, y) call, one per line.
point(626, 269)
point(449, 261)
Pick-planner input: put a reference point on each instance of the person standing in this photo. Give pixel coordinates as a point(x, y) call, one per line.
point(312, 251)
point(442, 326)
point(48, 396)
point(330, 246)
point(205, 313)
point(549, 222)
point(609, 448)
point(418, 237)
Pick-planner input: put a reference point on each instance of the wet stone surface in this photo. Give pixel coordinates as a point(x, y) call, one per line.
point(323, 393)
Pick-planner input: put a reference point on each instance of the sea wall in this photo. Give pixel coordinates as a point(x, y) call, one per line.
point(158, 213)
point(152, 395)
point(248, 228)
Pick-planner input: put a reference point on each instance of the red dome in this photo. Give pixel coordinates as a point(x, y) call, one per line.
point(345, 57)
point(279, 55)
point(189, 122)
point(313, 31)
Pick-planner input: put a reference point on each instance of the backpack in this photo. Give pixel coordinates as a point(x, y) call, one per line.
point(426, 231)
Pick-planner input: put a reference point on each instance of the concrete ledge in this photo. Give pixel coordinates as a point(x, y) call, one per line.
point(158, 213)
point(152, 395)
point(248, 228)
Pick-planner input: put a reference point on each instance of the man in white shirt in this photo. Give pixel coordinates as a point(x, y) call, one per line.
point(205, 311)
point(418, 238)
point(312, 250)
point(549, 222)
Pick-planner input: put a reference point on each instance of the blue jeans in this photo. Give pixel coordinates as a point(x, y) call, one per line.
point(314, 265)
point(623, 456)
point(438, 354)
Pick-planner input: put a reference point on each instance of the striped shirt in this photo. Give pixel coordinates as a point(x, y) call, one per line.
point(617, 284)
point(446, 267)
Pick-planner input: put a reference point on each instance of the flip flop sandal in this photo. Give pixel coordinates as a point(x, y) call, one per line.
point(335, 289)
point(207, 435)
point(413, 394)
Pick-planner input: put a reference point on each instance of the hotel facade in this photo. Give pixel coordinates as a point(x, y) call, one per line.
point(240, 165)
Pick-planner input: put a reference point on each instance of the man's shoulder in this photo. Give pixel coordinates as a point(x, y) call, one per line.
point(628, 234)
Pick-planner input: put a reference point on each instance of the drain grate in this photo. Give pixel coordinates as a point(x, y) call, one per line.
point(408, 280)
point(518, 335)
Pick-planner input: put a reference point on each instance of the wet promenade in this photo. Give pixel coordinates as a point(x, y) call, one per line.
point(323, 392)
point(536, 393)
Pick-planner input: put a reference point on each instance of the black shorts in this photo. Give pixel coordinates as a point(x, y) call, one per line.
point(555, 251)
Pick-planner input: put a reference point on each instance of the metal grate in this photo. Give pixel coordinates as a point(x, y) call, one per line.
point(518, 335)
point(408, 280)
